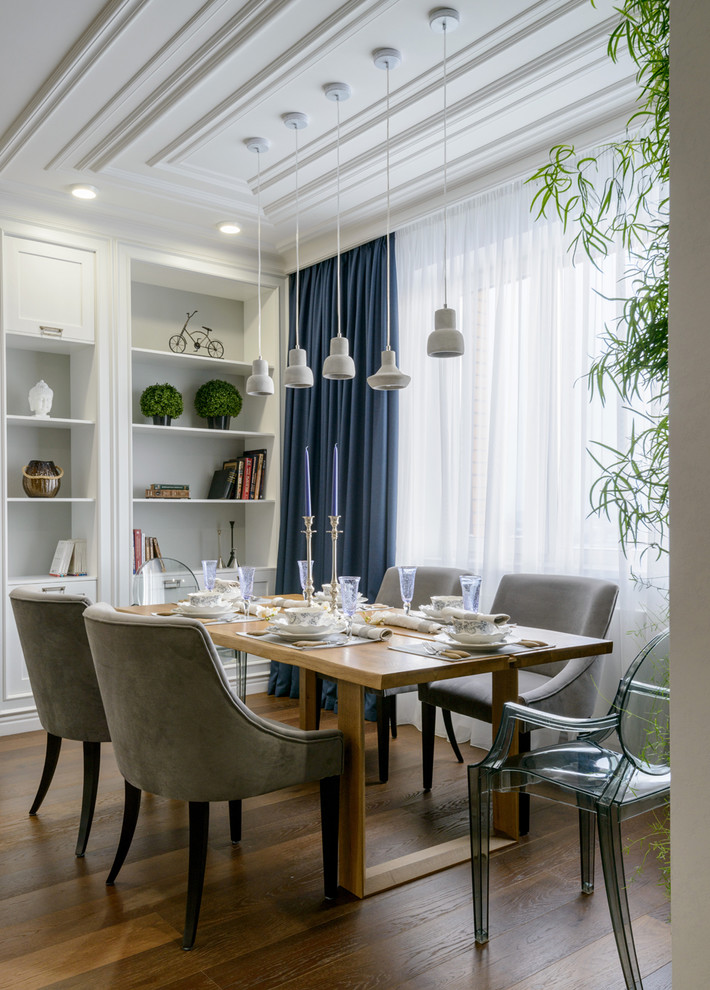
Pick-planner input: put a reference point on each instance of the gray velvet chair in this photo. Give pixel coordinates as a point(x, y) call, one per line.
point(180, 732)
point(579, 605)
point(429, 581)
point(61, 671)
point(616, 767)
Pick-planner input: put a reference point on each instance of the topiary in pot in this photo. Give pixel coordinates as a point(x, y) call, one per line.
point(217, 401)
point(162, 402)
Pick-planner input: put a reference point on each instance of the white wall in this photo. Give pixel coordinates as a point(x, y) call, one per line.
point(690, 489)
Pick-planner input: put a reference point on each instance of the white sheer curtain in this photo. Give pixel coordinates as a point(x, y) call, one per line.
point(494, 473)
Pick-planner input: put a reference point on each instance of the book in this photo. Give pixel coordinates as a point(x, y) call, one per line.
point(247, 477)
point(164, 488)
point(237, 493)
point(137, 550)
point(256, 484)
point(77, 564)
point(222, 481)
point(62, 557)
point(167, 493)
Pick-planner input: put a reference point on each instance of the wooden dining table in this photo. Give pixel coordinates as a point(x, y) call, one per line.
point(379, 665)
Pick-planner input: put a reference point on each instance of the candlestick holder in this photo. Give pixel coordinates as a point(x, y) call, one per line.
point(334, 531)
point(308, 587)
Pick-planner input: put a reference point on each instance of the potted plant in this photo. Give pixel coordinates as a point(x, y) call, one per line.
point(162, 402)
point(217, 401)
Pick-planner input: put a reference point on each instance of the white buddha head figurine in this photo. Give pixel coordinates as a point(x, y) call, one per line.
point(40, 398)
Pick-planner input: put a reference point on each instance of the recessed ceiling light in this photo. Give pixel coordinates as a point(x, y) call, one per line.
point(84, 192)
point(228, 227)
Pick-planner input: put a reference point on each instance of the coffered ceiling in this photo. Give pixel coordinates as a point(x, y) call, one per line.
point(151, 101)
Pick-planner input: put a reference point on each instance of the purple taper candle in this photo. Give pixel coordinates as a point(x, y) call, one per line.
point(308, 485)
point(335, 480)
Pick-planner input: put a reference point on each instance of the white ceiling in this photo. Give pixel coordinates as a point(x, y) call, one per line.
point(151, 101)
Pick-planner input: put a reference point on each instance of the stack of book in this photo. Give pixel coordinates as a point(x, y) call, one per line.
point(251, 475)
point(69, 559)
point(144, 548)
point(168, 491)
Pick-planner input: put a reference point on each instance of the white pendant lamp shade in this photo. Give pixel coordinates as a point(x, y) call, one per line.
point(388, 377)
point(297, 373)
point(338, 366)
point(446, 340)
point(259, 382)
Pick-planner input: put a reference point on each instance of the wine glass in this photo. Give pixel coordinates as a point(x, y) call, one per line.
point(303, 572)
point(406, 586)
point(209, 572)
point(348, 600)
point(471, 591)
point(246, 585)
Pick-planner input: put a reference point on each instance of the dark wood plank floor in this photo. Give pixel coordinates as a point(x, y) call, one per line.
point(263, 922)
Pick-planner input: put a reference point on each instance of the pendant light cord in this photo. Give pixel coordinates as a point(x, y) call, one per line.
point(337, 208)
point(298, 260)
point(387, 169)
point(258, 246)
point(446, 233)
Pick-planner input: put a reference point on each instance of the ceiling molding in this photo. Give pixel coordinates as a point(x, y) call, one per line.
point(87, 51)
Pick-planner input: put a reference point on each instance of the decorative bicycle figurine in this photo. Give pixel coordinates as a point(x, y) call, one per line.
point(200, 339)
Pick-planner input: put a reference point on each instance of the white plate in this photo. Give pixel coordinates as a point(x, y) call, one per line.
point(290, 636)
point(302, 629)
point(475, 647)
point(469, 639)
point(431, 613)
point(324, 596)
point(203, 612)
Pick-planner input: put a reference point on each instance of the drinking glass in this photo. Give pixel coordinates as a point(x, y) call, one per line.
point(209, 572)
point(246, 585)
point(406, 586)
point(303, 572)
point(471, 590)
point(348, 600)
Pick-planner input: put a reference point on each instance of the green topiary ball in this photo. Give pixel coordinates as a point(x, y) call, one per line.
point(217, 398)
point(161, 400)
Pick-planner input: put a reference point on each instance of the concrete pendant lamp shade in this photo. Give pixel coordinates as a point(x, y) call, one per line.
point(297, 373)
point(259, 381)
point(339, 365)
point(446, 340)
point(388, 377)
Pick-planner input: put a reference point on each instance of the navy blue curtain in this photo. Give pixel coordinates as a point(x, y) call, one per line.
point(363, 423)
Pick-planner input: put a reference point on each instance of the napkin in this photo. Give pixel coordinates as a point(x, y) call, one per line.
point(370, 632)
point(498, 619)
point(408, 622)
point(287, 602)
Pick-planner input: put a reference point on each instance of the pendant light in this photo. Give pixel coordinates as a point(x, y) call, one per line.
point(446, 340)
point(297, 373)
point(260, 381)
point(338, 365)
point(389, 377)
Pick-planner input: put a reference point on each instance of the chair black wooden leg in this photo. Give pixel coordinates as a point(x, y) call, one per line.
point(330, 816)
point(131, 807)
point(199, 831)
point(51, 755)
point(393, 715)
point(449, 726)
point(235, 821)
point(382, 706)
point(428, 724)
point(92, 763)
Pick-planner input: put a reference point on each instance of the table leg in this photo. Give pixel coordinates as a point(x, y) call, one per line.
point(308, 701)
point(351, 721)
point(505, 806)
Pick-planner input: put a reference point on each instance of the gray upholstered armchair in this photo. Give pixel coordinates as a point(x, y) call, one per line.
point(178, 731)
point(58, 659)
point(579, 605)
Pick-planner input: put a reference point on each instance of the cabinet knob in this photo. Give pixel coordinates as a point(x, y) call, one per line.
point(52, 331)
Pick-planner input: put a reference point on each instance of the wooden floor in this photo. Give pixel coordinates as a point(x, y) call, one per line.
point(263, 922)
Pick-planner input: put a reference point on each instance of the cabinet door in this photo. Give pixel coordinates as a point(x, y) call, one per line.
point(49, 290)
point(17, 683)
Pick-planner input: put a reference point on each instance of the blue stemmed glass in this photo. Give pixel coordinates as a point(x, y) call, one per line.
point(349, 587)
point(303, 572)
point(209, 573)
point(407, 576)
point(246, 585)
point(471, 591)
